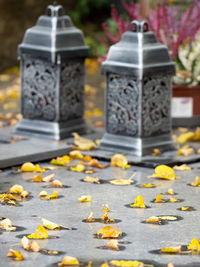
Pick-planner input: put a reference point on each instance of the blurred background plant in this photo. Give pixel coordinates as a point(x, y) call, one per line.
point(177, 28)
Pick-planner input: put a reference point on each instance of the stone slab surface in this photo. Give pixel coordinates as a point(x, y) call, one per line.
point(141, 238)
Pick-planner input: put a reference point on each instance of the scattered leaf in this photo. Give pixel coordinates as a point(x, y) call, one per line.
point(119, 160)
point(43, 194)
point(37, 179)
point(30, 167)
point(153, 219)
point(186, 208)
point(53, 196)
point(68, 260)
point(109, 232)
point(83, 143)
point(197, 182)
point(6, 224)
point(185, 151)
point(121, 181)
point(173, 199)
point(183, 167)
point(95, 163)
point(16, 255)
point(56, 183)
point(168, 217)
point(113, 244)
point(48, 178)
point(164, 172)
point(16, 189)
point(173, 250)
point(78, 168)
point(105, 264)
point(76, 154)
point(89, 218)
point(40, 233)
point(147, 185)
point(156, 152)
point(194, 245)
point(50, 225)
point(170, 191)
point(159, 199)
point(30, 245)
point(185, 137)
point(105, 208)
point(139, 202)
point(85, 199)
point(106, 219)
point(61, 161)
point(90, 179)
point(127, 263)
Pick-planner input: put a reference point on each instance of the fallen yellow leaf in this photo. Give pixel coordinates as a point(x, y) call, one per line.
point(61, 161)
point(105, 218)
point(127, 263)
point(105, 208)
point(153, 219)
point(146, 185)
point(30, 245)
point(119, 160)
point(170, 191)
point(185, 151)
point(109, 232)
point(185, 137)
point(83, 143)
point(194, 244)
point(56, 183)
point(113, 244)
point(89, 218)
point(85, 198)
point(78, 168)
point(40, 233)
point(139, 202)
point(183, 167)
point(50, 225)
point(6, 224)
point(90, 179)
point(30, 167)
point(95, 163)
point(37, 179)
point(16, 255)
point(121, 181)
point(197, 182)
point(16, 189)
point(43, 194)
point(171, 250)
point(76, 154)
point(48, 178)
point(53, 196)
point(68, 260)
point(159, 199)
point(164, 172)
point(156, 152)
point(173, 199)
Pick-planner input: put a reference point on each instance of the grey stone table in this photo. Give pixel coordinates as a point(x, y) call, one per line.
point(139, 238)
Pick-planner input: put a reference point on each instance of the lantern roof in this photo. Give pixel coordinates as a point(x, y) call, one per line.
point(54, 37)
point(139, 53)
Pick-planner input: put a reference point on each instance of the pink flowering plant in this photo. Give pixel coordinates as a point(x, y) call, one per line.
point(179, 30)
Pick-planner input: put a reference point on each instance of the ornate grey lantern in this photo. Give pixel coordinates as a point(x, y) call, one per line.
point(138, 99)
point(52, 77)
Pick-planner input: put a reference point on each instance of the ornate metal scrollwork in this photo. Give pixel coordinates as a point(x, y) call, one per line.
point(71, 90)
point(156, 99)
point(122, 105)
point(38, 90)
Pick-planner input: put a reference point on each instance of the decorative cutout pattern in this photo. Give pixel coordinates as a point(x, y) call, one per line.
point(122, 105)
point(156, 103)
point(41, 98)
point(39, 93)
point(72, 90)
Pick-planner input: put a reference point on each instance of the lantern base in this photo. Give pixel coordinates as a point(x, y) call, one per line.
point(50, 130)
point(136, 145)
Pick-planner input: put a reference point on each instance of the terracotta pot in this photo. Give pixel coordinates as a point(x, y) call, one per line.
point(190, 106)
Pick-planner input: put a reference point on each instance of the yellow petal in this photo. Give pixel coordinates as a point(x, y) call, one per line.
point(185, 137)
point(43, 194)
point(105, 208)
point(34, 246)
point(90, 179)
point(37, 179)
point(185, 151)
point(48, 178)
point(109, 232)
point(194, 244)
point(53, 196)
point(183, 167)
point(28, 167)
point(25, 243)
point(164, 172)
point(50, 225)
point(118, 160)
point(171, 249)
point(146, 185)
point(173, 199)
point(170, 191)
point(197, 181)
point(16, 189)
point(139, 202)
point(121, 181)
point(38, 169)
point(6, 224)
point(127, 263)
point(68, 260)
point(159, 199)
point(56, 183)
point(78, 168)
point(113, 244)
point(76, 154)
point(83, 143)
point(85, 198)
point(40, 233)
point(16, 255)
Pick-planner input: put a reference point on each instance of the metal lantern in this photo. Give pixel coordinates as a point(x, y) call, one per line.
point(52, 77)
point(138, 99)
